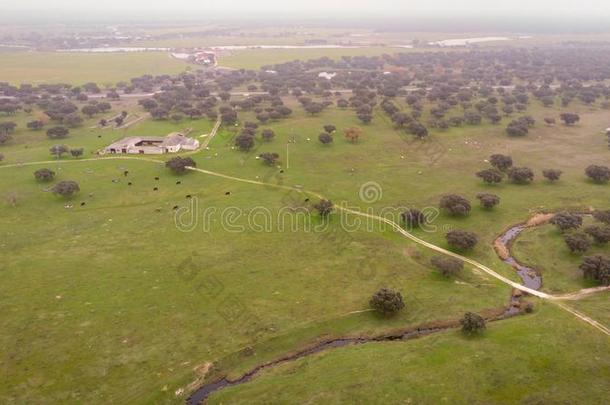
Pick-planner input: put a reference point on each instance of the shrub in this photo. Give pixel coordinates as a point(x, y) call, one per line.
point(66, 188)
point(501, 162)
point(552, 174)
point(44, 174)
point(490, 176)
point(599, 174)
point(601, 235)
point(472, 323)
point(455, 204)
point(269, 158)
point(462, 240)
point(179, 164)
point(413, 218)
point(521, 175)
point(596, 268)
point(577, 242)
point(448, 266)
point(387, 301)
point(566, 220)
point(488, 200)
point(324, 207)
point(325, 138)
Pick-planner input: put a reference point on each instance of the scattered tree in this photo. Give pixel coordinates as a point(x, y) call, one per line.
point(552, 174)
point(490, 176)
point(577, 242)
point(324, 207)
point(596, 268)
point(244, 142)
point(413, 218)
point(448, 266)
point(488, 200)
point(599, 174)
point(267, 135)
point(58, 150)
point(77, 152)
point(601, 235)
point(269, 158)
point(455, 204)
point(66, 188)
point(57, 132)
point(330, 128)
point(472, 323)
point(325, 138)
point(179, 164)
point(602, 216)
point(387, 301)
point(566, 221)
point(521, 175)
point(461, 240)
point(44, 175)
point(569, 118)
point(501, 162)
point(35, 125)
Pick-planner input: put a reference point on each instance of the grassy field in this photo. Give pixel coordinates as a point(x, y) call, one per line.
point(515, 361)
point(112, 302)
point(544, 249)
point(79, 68)
point(255, 58)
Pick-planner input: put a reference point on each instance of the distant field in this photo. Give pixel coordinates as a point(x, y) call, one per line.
point(51, 67)
point(255, 58)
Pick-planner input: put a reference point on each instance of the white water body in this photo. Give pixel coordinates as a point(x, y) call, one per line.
point(467, 41)
point(223, 47)
point(114, 49)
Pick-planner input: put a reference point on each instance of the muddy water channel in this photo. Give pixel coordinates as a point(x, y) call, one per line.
point(530, 278)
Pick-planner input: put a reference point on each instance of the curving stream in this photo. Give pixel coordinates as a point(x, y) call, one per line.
point(530, 278)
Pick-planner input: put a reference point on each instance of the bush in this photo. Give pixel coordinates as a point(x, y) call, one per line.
point(601, 235)
point(325, 138)
point(413, 218)
point(488, 200)
point(599, 174)
point(490, 176)
point(577, 242)
point(448, 266)
point(565, 221)
point(386, 301)
point(324, 207)
point(179, 164)
point(596, 268)
point(66, 188)
point(455, 204)
point(44, 175)
point(521, 175)
point(462, 240)
point(552, 174)
point(269, 158)
point(501, 162)
point(472, 323)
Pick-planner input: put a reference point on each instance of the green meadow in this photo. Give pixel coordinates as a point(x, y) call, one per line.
point(121, 293)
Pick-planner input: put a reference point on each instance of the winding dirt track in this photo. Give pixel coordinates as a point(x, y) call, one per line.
point(552, 298)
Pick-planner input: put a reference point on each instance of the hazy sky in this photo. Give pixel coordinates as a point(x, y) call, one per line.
point(316, 8)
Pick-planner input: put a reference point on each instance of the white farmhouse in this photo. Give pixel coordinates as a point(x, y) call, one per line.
point(172, 143)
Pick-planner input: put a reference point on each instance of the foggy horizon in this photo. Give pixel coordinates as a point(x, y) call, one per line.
point(312, 9)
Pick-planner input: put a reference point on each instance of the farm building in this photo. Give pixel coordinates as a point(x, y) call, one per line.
point(171, 143)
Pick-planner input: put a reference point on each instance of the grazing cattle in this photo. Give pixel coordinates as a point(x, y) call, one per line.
point(175, 207)
point(125, 173)
point(156, 178)
point(83, 204)
point(155, 189)
point(129, 184)
point(189, 196)
point(178, 182)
